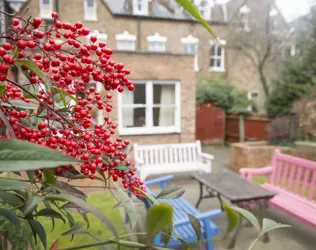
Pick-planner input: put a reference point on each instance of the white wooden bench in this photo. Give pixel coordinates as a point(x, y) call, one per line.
point(170, 158)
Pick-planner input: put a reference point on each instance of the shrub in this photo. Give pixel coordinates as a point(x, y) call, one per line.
point(226, 96)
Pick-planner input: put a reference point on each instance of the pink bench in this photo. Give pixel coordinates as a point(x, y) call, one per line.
point(294, 181)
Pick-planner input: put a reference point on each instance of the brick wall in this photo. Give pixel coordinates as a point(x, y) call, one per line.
point(259, 154)
point(148, 66)
point(210, 123)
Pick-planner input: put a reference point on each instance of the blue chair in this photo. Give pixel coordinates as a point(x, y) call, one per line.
point(182, 225)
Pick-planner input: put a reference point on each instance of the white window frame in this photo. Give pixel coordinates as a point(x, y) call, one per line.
point(125, 37)
point(150, 129)
point(244, 17)
point(221, 57)
point(43, 13)
point(250, 93)
point(102, 37)
point(87, 16)
point(190, 40)
point(205, 11)
point(157, 43)
point(144, 9)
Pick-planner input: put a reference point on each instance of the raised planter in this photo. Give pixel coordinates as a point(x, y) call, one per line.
point(259, 154)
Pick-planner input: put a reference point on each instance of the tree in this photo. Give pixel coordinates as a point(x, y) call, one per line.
point(298, 76)
point(260, 34)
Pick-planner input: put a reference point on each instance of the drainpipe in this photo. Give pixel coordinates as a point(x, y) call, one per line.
point(57, 6)
point(139, 43)
point(2, 19)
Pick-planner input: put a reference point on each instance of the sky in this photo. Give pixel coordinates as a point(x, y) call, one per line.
point(292, 9)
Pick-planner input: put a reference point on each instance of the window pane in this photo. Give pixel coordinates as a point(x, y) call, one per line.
point(45, 1)
point(163, 117)
point(140, 5)
point(212, 63)
point(90, 3)
point(138, 96)
point(164, 94)
point(213, 50)
point(219, 50)
point(218, 63)
point(134, 117)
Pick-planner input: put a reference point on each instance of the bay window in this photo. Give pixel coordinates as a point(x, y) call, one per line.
point(152, 108)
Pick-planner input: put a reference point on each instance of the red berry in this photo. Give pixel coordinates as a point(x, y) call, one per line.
point(78, 25)
point(54, 15)
point(93, 39)
point(85, 31)
point(15, 22)
point(30, 44)
point(21, 44)
point(59, 171)
point(37, 21)
point(6, 46)
point(42, 125)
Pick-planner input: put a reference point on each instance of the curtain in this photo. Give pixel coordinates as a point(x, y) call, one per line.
point(128, 113)
point(166, 114)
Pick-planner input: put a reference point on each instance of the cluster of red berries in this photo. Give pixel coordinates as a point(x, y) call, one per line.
point(65, 123)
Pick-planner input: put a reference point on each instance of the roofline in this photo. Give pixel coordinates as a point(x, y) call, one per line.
point(166, 19)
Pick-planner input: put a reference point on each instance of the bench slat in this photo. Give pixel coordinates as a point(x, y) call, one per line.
point(290, 181)
point(285, 174)
point(307, 175)
point(175, 152)
point(312, 186)
point(299, 174)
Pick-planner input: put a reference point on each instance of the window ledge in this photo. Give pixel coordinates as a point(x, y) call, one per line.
point(91, 19)
point(147, 131)
point(216, 70)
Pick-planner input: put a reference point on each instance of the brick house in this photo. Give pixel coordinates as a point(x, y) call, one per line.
point(168, 52)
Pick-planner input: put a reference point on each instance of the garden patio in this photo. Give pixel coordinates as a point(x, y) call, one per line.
point(298, 237)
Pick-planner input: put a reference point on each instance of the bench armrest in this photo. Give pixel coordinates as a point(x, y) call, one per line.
point(248, 173)
point(203, 216)
point(138, 161)
point(206, 156)
point(162, 181)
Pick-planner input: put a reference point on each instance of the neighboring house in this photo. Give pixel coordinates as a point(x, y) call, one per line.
point(168, 52)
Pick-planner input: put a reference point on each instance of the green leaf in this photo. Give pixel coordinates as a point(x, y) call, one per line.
point(85, 206)
point(31, 175)
point(49, 212)
point(18, 155)
point(248, 216)
point(76, 229)
point(11, 199)
point(2, 88)
point(69, 173)
point(184, 243)
point(39, 230)
point(269, 225)
point(167, 234)
point(66, 187)
point(232, 216)
point(122, 166)
point(49, 176)
point(12, 184)
point(190, 7)
point(64, 93)
point(171, 192)
point(19, 104)
point(31, 203)
point(196, 225)
point(15, 53)
point(33, 67)
point(128, 204)
point(11, 216)
point(158, 217)
point(127, 149)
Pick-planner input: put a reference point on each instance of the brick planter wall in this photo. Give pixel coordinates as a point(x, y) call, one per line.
point(259, 154)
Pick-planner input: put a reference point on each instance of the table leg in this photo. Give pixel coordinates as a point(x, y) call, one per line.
point(233, 240)
point(201, 195)
point(265, 237)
